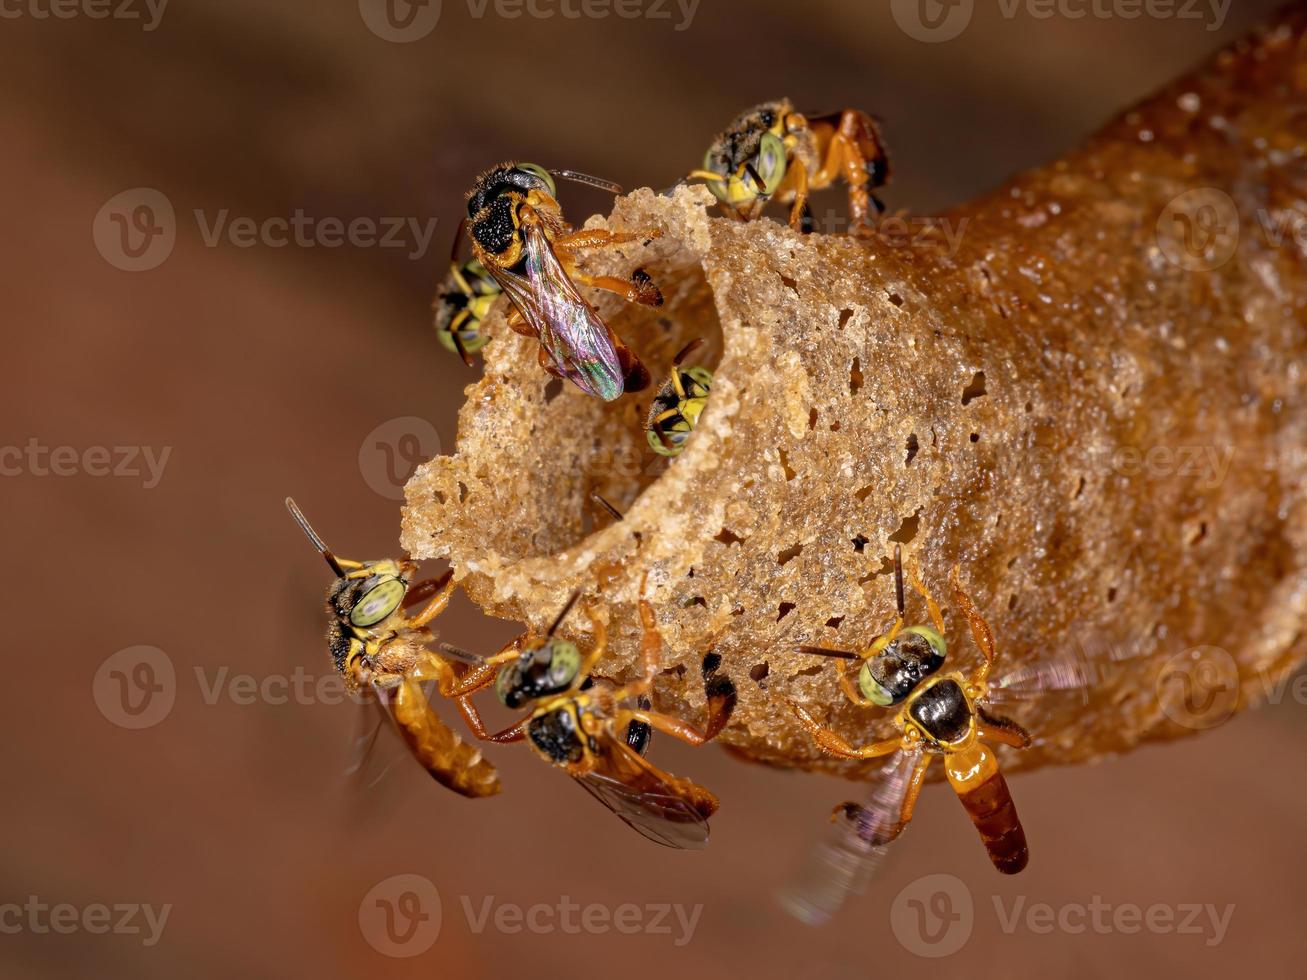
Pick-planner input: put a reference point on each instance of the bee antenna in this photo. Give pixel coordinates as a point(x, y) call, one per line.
point(757, 179)
point(577, 177)
point(617, 514)
point(458, 240)
point(316, 541)
point(558, 620)
point(898, 579)
point(828, 652)
point(687, 350)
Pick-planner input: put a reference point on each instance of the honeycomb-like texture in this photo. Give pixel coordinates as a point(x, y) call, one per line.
point(1084, 400)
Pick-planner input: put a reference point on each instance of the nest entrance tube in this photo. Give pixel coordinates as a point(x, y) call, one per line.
point(1002, 398)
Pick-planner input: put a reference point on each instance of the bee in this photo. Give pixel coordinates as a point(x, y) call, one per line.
point(582, 724)
point(461, 306)
point(773, 152)
point(941, 716)
point(384, 655)
point(519, 236)
point(677, 406)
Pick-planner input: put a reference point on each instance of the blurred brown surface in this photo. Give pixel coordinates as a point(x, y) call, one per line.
point(265, 370)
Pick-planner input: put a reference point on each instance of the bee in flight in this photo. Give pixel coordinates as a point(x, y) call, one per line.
point(586, 726)
point(384, 654)
point(942, 716)
point(520, 238)
point(461, 307)
point(677, 406)
point(772, 152)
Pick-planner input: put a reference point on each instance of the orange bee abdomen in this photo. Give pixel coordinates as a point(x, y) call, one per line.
point(975, 777)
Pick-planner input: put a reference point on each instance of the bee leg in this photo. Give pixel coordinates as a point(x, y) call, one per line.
point(517, 323)
point(598, 238)
point(936, 616)
point(800, 206)
point(980, 631)
point(836, 745)
point(857, 154)
point(598, 646)
point(639, 289)
point(483, 675)
point(850, 689)
point(1004, 730)
point(443, 588)
point(657, 426)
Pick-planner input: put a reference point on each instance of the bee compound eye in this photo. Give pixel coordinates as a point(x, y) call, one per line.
point(378, 603)
point(771, 162)
point(871, 688)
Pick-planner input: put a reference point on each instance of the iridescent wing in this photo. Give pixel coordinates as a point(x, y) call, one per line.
point(580, 345)
point(664, 808)
point(848, 857)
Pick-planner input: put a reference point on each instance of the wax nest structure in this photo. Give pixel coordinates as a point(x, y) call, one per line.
point(1057, 387)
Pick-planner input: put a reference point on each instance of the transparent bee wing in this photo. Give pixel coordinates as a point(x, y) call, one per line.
point(666, 809)
point(1069, 671)
point(849, 856)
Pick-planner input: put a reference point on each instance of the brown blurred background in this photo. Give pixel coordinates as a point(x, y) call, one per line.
point(268, 370)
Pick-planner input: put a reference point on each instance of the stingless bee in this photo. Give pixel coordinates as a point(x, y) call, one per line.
point(520, 238)
point(583, 725)
point(943, 716)
point(677, 406)
point(461, 306)
point(773, 152)
point(384, 654)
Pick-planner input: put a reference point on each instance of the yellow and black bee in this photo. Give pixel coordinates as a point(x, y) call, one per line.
point(521, 239)
point(461, 306)
point(588, 727)
point(677, 406)
point(772, 152)
point(384, 655)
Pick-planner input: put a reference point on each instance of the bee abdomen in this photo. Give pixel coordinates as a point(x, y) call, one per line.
point(974, 775)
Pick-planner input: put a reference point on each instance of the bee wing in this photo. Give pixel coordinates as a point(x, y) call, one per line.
point(664, 808)
point(375, 746)
point(581, 346)
point(847, 858)
point(1068, 671)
